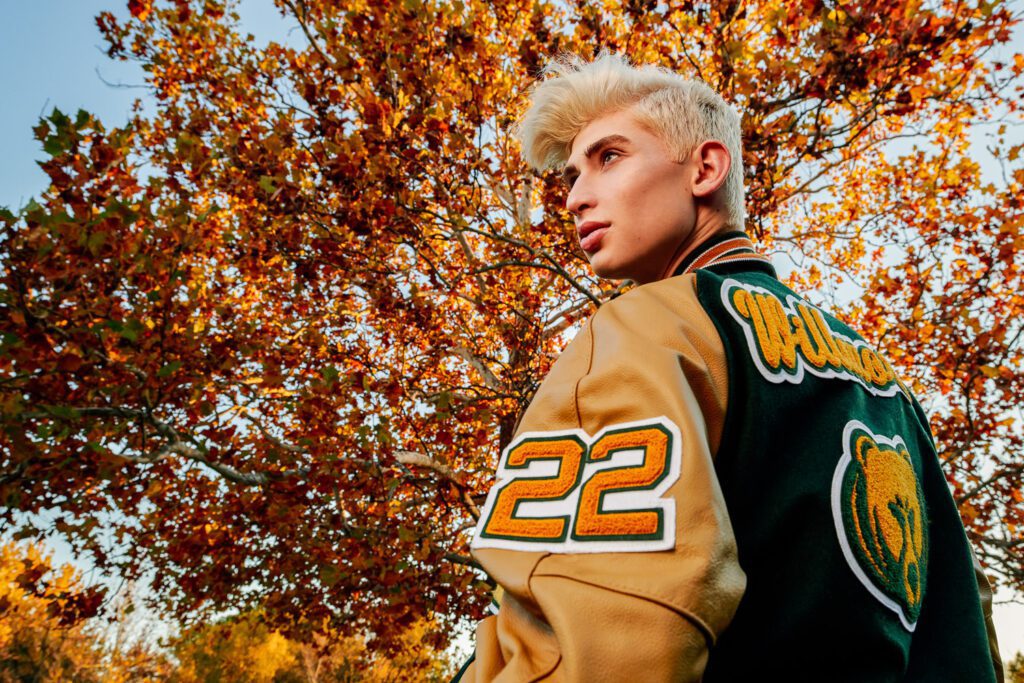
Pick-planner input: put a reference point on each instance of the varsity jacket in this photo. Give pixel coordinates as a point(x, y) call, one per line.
point(719, 481)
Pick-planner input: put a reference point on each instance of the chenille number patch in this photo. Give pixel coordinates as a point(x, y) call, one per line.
point(879, 516)
point(567, 492)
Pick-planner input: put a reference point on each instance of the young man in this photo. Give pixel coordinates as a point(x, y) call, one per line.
point(717, 481)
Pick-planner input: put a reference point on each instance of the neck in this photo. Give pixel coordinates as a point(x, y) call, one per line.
point(707, 226)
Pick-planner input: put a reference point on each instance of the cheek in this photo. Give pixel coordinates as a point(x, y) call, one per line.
point(664, 190)
point(653, 205)
point(668, 214)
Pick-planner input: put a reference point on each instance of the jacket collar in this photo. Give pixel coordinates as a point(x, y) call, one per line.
point(729, 251)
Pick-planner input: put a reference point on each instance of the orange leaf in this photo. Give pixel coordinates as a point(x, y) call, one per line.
point(140, 9)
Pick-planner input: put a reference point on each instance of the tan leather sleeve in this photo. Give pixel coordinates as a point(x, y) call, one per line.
point(611, 616)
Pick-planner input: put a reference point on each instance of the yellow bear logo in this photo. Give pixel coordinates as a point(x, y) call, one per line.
point(880, 518)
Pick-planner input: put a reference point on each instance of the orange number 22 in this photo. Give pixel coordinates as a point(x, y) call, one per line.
point(569, 493)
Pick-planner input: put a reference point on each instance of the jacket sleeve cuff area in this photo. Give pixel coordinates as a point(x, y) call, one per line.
point(513, 646)
point(606, 635)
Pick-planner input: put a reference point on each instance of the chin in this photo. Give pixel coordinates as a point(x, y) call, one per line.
point(611, 273)
point(604, 266)
point(604, 270)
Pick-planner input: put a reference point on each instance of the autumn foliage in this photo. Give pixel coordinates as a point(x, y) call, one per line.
point(46, 636)
point(51, 629)
point(243, 649)
point(270, 337)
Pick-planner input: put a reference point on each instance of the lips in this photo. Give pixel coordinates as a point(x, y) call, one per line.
point(591, 233)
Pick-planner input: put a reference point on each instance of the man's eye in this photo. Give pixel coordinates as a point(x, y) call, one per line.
point(608, 155)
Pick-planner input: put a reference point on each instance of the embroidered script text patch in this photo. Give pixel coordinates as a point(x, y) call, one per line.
point(788, 339)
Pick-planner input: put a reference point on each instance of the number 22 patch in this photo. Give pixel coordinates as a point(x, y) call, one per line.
point(567, 492)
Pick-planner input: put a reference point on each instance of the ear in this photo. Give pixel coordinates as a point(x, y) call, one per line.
point(711, 164)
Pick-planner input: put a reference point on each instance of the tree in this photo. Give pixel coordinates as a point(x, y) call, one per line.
point(244, 649)
point(42, 610)
point(237, 650)
point(1015, 669)
point(275, 333)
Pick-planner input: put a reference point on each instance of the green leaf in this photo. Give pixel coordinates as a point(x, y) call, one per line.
point(60, 411)
point(131, 330)
point(59, 119)
point(95, 242)
point(169, 369)
point(9, 339)
point(61, 139)
point(329, 575)
point(53, 146)
point(184, 143)
point(267, 184)
point(330, 375)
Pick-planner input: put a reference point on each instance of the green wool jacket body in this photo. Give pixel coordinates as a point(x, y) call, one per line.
point(858, 567)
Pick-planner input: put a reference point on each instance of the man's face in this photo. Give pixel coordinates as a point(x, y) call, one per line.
point(632, 200)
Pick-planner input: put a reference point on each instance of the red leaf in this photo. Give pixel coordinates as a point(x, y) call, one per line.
point(140, 8)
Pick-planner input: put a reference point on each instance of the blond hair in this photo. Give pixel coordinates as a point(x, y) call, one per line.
point(683, 112)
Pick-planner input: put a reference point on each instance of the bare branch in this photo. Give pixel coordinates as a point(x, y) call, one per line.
point(462, 559)
point(490, 380)
point(413, 459)
point(186, 447)
point(301, 18)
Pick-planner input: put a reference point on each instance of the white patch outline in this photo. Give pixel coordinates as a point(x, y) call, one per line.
point(652, 498)
point(837, 515)
point(781, 376)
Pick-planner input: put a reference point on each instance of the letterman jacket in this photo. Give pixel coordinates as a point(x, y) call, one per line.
point(718, 481)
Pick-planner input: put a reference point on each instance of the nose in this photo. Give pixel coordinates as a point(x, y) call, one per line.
point(580, 198)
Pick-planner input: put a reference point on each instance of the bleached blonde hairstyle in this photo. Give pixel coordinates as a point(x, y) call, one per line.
point(684, 113)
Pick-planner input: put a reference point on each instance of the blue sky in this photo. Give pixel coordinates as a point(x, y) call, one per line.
point(53, 56)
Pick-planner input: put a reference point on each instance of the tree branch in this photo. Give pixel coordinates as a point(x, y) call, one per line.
point(187, 447)
point(490, 379)
point(413, 459)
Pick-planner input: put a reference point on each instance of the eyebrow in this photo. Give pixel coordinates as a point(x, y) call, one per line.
point(613, 139)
